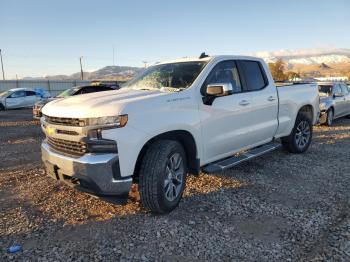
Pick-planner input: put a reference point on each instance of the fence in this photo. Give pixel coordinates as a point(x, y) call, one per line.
point(53, 86)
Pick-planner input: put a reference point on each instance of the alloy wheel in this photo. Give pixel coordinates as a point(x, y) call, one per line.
point(302, 135)
point(174, 177)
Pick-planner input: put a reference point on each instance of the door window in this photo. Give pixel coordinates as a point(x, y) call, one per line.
point(337, 89)
point(254, 75)
point(18, 94)
point(30, 93)
point(225, 72)
point(344, 89)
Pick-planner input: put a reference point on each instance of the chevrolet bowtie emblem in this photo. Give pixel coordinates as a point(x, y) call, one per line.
point(50, 130)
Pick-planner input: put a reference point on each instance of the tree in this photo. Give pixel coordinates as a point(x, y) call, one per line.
point(277, 70)
point(292, 75)
point(348, 76)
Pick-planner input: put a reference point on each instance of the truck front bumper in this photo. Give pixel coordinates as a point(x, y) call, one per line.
point(97, 174)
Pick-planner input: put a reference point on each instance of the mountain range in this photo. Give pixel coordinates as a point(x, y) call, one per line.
point(311, 62)
point(119, 73)
point(308, 56)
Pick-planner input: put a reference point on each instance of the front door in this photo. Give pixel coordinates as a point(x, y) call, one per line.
point(339, 103)
point(226, 122)
point(346, 93)
point(16, 99)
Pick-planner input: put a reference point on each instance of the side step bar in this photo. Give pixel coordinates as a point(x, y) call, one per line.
point(240, 158)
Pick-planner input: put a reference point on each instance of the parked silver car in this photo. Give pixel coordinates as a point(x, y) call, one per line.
point(19, 98)
point(334, 101)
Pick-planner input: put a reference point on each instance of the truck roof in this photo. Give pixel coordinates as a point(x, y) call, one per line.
point(208, 58)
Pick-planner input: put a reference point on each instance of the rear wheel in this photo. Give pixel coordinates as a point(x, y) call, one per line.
point(163, 176)
point(300, 138)
point(330, 117)
point(2, 107)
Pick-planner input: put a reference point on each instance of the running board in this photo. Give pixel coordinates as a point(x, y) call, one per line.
point(240, 158)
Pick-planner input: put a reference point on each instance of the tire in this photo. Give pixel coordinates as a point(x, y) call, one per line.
point(2, 108)
point(162, 176)
point(300, 138)
point(330, 117)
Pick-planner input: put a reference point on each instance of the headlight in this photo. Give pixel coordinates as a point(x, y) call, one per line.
point(112, 121)
point(323, 106)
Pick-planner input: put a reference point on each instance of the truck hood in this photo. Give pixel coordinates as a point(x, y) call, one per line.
point(107, 103)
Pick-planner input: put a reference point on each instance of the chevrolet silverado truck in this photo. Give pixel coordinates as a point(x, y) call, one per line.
point(173, 119)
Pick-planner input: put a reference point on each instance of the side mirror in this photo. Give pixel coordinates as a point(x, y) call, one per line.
point(219, 89)
point(338, 95)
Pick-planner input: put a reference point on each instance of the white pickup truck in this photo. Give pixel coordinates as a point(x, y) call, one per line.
point(174, 119)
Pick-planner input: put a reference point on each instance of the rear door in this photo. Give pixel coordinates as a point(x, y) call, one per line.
point(264, 106)
point(16, 100)
point(31, 98)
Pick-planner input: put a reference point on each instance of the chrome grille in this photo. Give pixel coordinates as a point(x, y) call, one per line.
point(64, 121)
point(65, 146)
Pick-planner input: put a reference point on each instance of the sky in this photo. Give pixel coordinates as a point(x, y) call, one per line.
point(41, 38)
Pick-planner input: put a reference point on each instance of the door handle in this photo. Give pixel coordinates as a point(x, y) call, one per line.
point(244, 103)
point(271, 98)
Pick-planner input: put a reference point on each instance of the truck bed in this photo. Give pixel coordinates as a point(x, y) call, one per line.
point(304, 94)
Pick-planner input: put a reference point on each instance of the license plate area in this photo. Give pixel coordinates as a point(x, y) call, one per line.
point(52, 170)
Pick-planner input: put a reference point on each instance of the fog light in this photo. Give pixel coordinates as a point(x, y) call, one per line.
point(102, 146)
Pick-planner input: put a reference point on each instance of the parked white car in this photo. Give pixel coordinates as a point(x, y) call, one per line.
point(173, 119)
point(18, 98)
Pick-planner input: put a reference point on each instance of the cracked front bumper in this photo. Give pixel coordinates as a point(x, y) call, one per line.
point(97, 174)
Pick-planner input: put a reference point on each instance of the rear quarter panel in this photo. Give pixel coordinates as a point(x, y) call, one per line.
point(291, 99)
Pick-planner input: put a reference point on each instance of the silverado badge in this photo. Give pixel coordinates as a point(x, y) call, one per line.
point(50, 130)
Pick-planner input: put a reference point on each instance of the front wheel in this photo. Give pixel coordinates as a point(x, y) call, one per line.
point(163, 176)
point(330, 117)
point(300, 138)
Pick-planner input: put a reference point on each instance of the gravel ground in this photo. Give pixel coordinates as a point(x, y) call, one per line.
point(279, 207)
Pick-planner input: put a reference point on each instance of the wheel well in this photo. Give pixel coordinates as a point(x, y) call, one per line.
point(184, 138)
point(308, 111)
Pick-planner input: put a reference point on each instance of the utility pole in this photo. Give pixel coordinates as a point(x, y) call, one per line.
point(2, 66)
point(81, 69)
point(113, 57)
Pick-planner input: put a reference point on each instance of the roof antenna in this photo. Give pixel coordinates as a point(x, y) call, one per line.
point(203, 55)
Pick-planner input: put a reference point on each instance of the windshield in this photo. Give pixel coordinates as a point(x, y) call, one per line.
point(5, 94)
point(68, 92)
point(167, 77)
point(325, 90)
